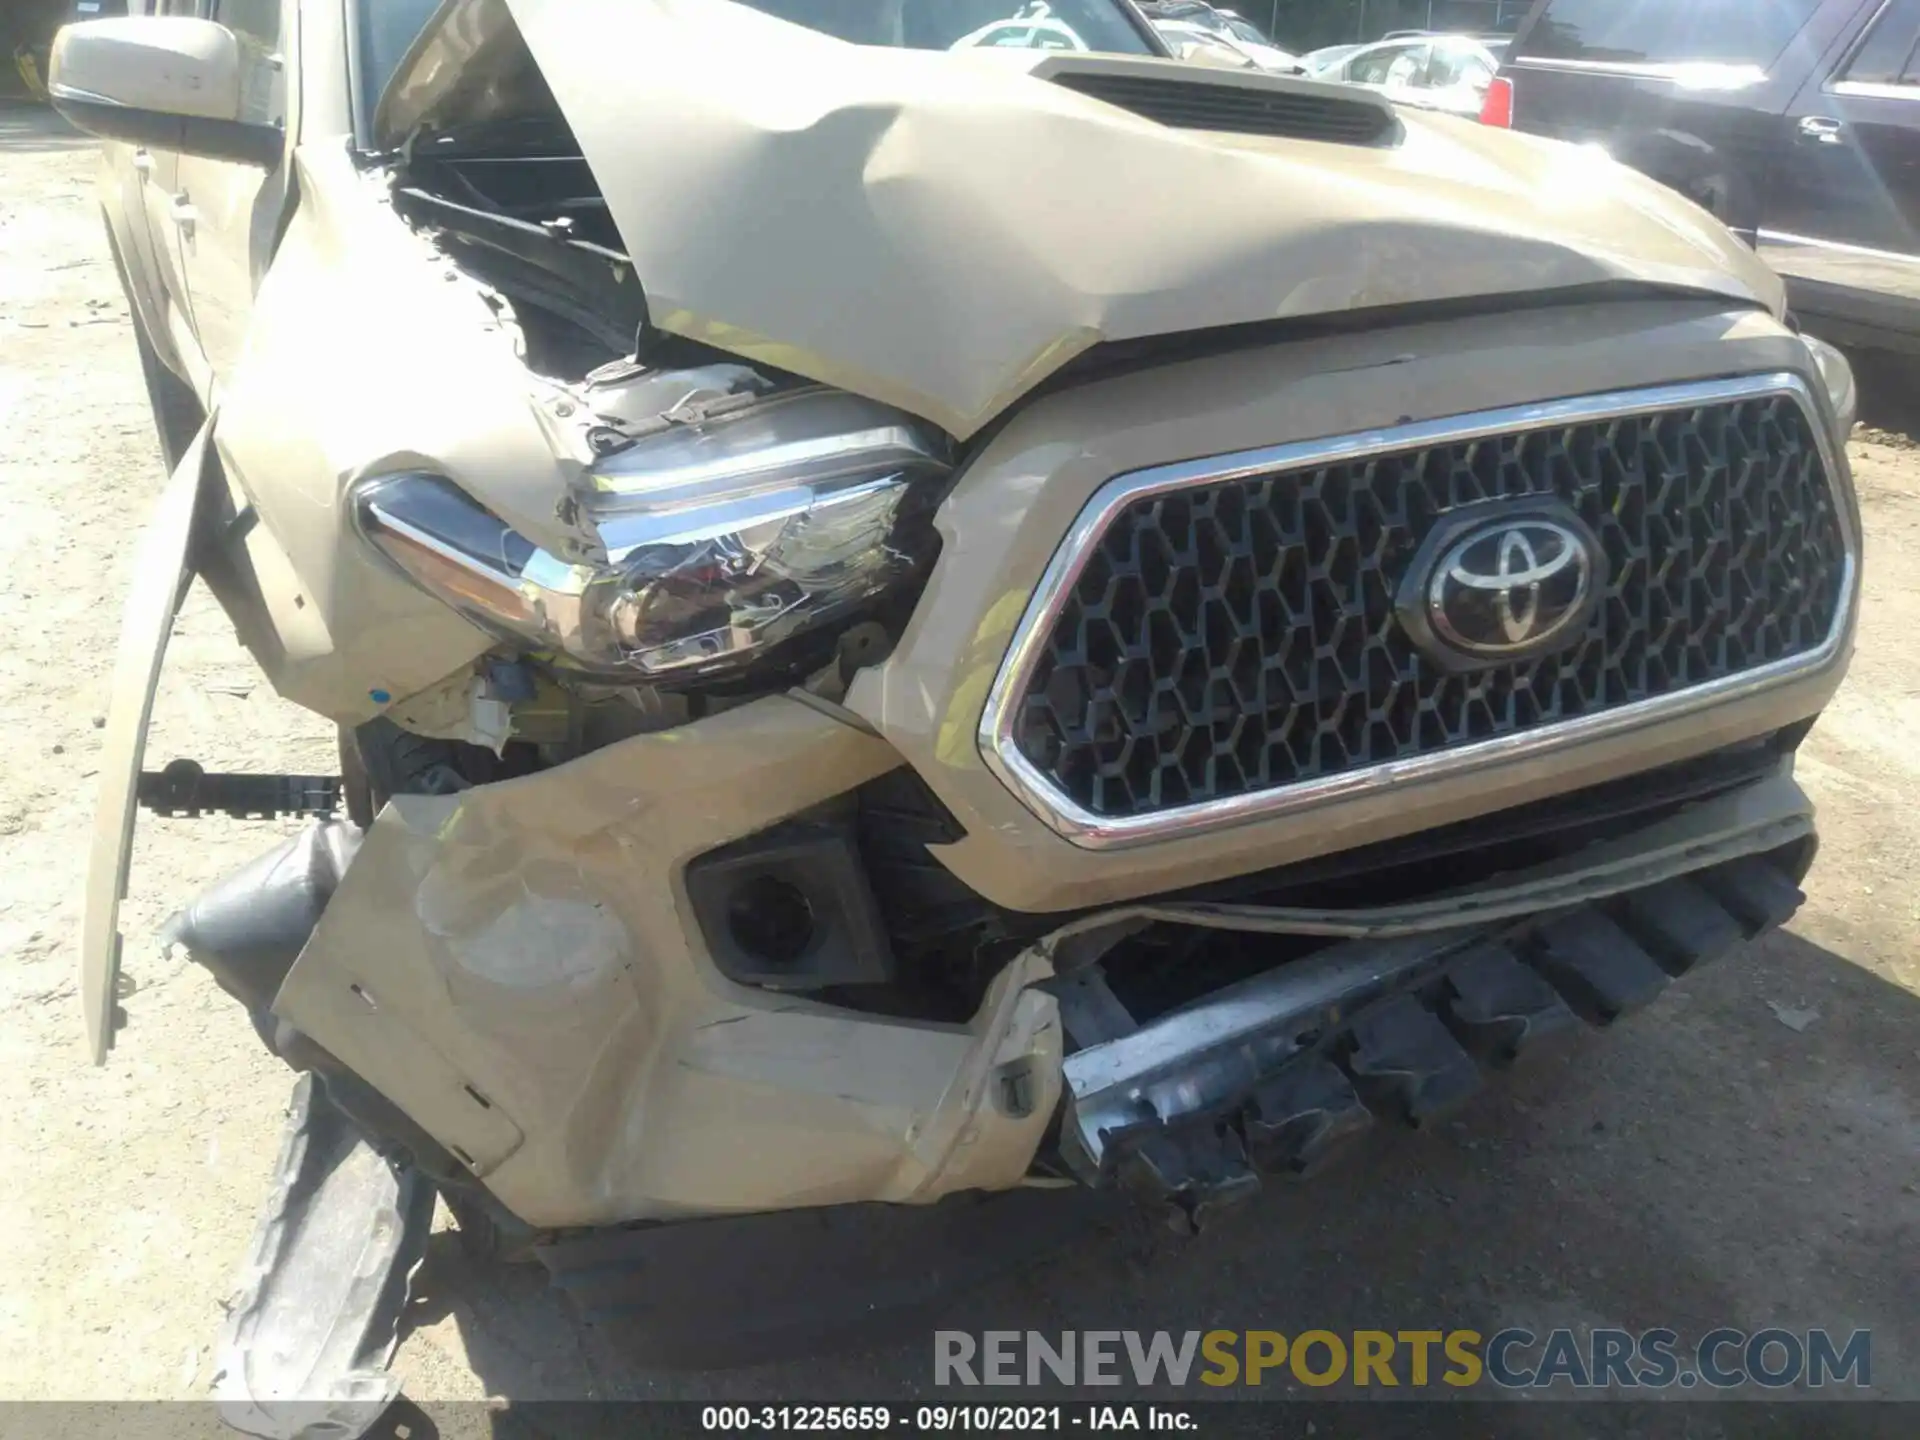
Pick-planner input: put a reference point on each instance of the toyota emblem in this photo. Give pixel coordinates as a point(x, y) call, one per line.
point(1502, 583)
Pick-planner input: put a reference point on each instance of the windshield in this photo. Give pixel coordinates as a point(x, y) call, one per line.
point(387, 27)
point(961, 24)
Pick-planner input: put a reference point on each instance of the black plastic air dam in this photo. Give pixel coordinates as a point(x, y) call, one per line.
point(305, 1350)
point(1275, 1074)
point(249, 928)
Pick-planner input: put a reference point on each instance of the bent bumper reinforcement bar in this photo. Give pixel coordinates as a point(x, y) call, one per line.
point(1273, 1073)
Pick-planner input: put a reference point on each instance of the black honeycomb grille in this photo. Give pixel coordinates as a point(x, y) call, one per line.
point(1239, 636)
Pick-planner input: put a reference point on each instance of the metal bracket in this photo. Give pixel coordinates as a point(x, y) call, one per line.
point(1090, 1012)
point(184, 789)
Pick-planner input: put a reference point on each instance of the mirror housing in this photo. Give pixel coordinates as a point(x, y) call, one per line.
point(172, 82)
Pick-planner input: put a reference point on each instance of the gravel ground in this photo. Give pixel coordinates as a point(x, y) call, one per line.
point(1709, 1163)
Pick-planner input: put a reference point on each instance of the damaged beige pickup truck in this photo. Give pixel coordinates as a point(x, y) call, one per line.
point(926, 629)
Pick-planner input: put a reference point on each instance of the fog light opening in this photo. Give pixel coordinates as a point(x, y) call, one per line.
point(772, 920)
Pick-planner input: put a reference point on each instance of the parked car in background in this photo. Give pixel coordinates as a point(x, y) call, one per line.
point(1211, 17)
point(1326, 57)
point(1179, 20)
point(1197, 43)
point(1034, 28)
point(1796, 122)
point(1435, 72)
point(1203, 47)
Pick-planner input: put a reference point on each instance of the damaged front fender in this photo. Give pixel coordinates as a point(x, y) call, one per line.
point(517, 967)
point(161, 573)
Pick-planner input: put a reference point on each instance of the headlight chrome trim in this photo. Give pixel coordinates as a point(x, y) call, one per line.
point(721, 539)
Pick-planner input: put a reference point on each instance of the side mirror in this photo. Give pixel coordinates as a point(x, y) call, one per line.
point(172, 82)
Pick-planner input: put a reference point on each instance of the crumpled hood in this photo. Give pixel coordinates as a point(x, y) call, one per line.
point(943, 231)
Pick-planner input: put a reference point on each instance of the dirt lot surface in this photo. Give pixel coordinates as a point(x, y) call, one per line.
point(1747, 1153)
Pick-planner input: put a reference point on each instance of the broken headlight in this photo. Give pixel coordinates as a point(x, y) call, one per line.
point(717, 540)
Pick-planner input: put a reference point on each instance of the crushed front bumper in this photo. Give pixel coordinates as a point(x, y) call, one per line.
point(507, 968)
point(518, 968)
point(1278, 1072)
point(528, 970)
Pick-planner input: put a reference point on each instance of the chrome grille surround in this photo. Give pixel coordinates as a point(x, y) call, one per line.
point(1027, 655)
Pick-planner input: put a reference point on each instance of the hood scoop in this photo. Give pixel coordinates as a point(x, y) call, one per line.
point(1287, 111)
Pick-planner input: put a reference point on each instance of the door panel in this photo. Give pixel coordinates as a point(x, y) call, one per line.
point(227, 215)
point(1688, 93)
point(1708, 145)
point(1844, 206)
point(156, 173)
point(151, 180)
point(126, 177)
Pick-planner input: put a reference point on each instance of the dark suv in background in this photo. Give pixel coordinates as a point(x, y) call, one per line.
point(1796, 122)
